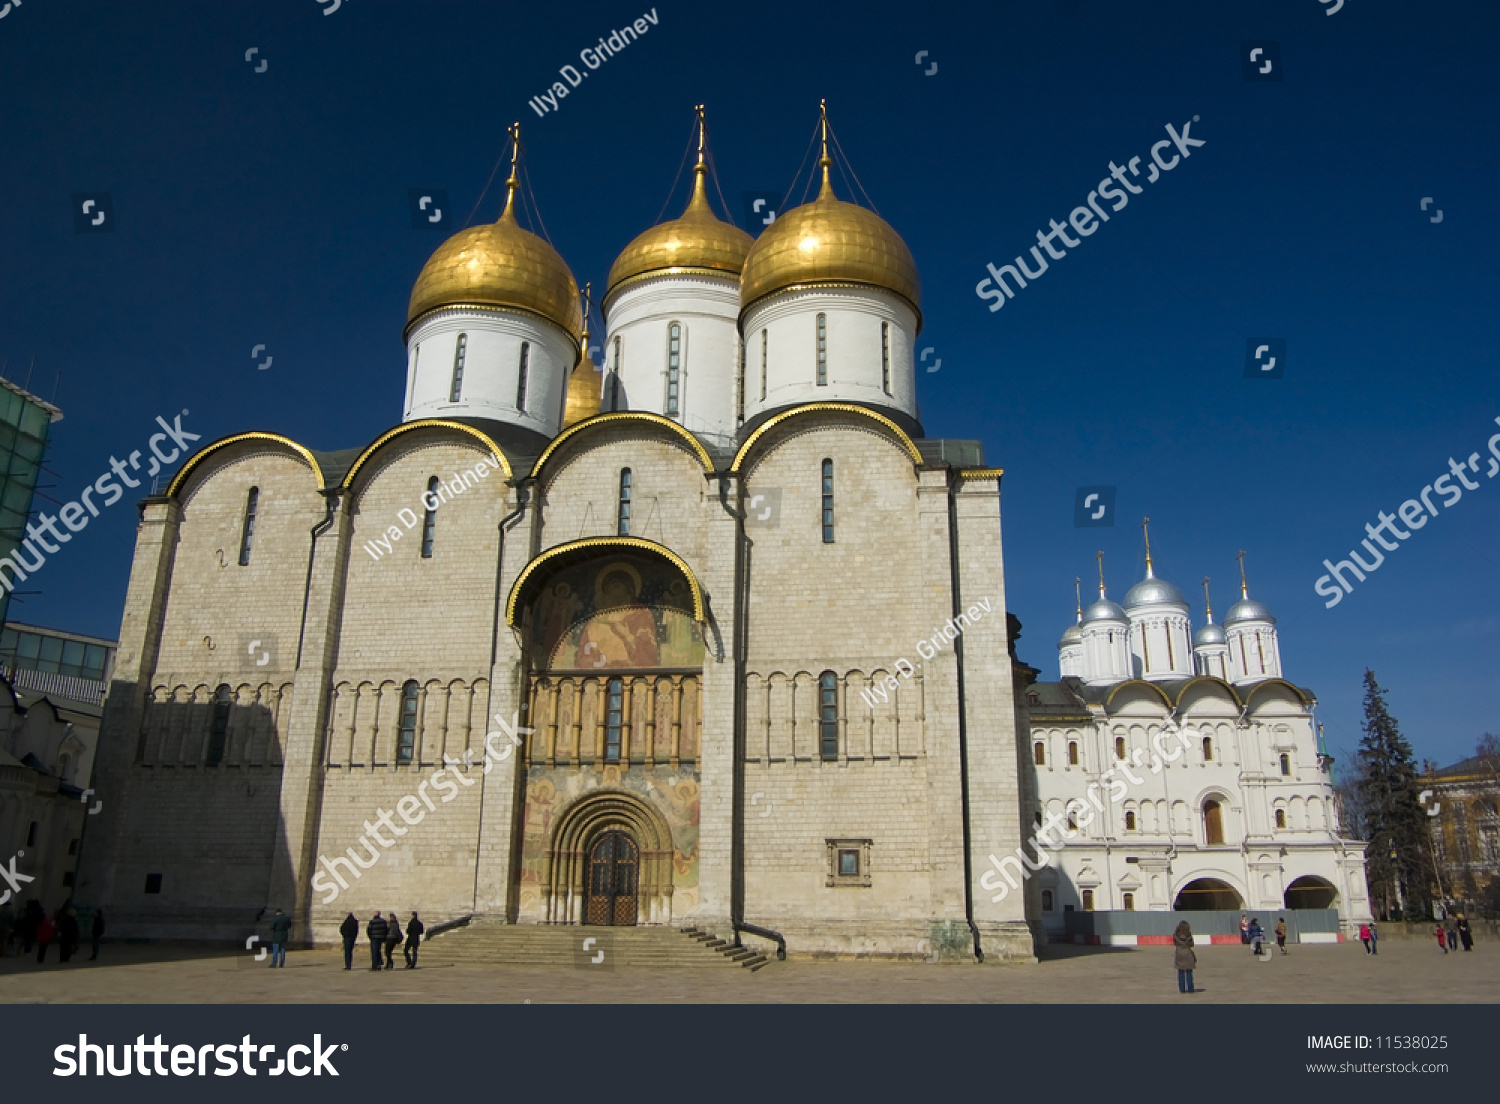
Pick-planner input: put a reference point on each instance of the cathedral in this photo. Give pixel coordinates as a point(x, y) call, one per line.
point(1184, 773)
point(632, 644)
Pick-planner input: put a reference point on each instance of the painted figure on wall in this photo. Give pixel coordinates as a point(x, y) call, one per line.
point(627, 612)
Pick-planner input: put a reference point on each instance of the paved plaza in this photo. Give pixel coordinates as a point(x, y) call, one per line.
point(1405, 972)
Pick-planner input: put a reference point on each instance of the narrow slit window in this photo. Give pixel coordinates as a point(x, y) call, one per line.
point(456, 389)
point(614, 380)
point(1281, 818)
point(1072, 754)
point(885, 357)
point(218, 735)
point(828, 715)
point(739, 407)
point(406, 739)
point(827, 501)
point(429, 519)
point(1130, 822)
point(822, 350)
point(247, 532)
point(764, 341)
point(1119, 747)
point(1039, 754)
point(1208, 750)
point(1286, 764)
point(624, 516)
point(674, 368)
point(614, 719)
point(521, 381)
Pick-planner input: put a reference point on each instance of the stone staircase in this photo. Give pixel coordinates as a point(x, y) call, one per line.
point(645, 947)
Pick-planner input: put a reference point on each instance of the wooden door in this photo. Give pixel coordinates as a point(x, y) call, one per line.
point(612, 881)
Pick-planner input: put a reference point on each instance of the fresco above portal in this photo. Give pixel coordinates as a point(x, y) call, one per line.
point(625, 611)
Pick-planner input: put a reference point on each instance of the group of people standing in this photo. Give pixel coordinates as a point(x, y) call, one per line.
point(385, 934)
point(34, 928)
point(1453, 928)
point(1253, 934)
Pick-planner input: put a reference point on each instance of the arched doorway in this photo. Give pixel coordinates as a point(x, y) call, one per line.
point(1207, 894)
point(1310, 892)
point(613, 881)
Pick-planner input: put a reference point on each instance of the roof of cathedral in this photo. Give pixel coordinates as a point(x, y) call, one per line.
point(829, 241)
point(498, 264)
point(1103, 610)
point(1073, 695)
point(1247, 609)
point(1152, 591)
point(1474, 765)
point(695, 241)
point(1209, 634)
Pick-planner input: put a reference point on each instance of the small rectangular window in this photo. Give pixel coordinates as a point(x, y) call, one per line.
point(153, 883)
point(827, 501)
point(1046, 900)
point(429, 518)
point(674, 368)
point(406, 742)
point(623, 528)
point(614, 719)
point(885, 357)
point(31, 834)
point(218, 736)
point(822, 350)
point(1129, 902)
point(73, 847)
point(68, 879)
point(1088, 900)
point(456, 389)
point(525, 371)
point(764, 341)
point(828, 716)
point(614, 380)
point(848, 863)
point(247, 533)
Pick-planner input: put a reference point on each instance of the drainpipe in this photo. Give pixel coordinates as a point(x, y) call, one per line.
point(963, 745)
point(508, 521)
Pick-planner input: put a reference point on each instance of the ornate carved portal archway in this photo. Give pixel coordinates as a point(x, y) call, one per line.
point(609, 861)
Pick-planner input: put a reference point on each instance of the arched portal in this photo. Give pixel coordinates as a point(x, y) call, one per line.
point(1311, 892)
point(1206, 894)
point(609, 861)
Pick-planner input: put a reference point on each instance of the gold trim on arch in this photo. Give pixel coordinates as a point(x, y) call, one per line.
point(980, 473)
point(1139, 682)
point(638, 543)
point(623, 415)
point(428, 423)
point(1277, 682)
point(1233, 693)
point(809, 408)
point(202, 454)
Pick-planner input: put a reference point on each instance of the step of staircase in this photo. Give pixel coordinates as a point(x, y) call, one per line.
point(649, 947)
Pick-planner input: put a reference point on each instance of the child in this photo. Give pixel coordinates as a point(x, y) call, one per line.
point(1442, 938)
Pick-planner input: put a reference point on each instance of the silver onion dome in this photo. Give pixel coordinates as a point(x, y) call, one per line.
point(1104, 610)
point(1153, 592)
point(1071, 635)
point(1208, 634)
point(1248, 609)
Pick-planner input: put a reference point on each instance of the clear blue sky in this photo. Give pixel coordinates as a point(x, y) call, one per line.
point(271, 208)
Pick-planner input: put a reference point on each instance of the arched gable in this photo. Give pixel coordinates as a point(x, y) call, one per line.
point(1134, 685)
point(424, 424)
point(641, 418)
point(180, 479)
point(778, 420)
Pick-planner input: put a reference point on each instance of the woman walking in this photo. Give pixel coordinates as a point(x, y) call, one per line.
point(1184, 958)
point(1464, 933)
point(1364, 936)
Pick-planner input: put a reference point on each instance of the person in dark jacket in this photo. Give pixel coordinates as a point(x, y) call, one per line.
point(1464, 933)
point(376, 930)
point(1257, 936)
point(26, 927)
point(1450, 927)
point(392, 940)
point(45, 930)
point(281, 927)
point(96, 932)
point(67, 932)
point(349, 929)
point(1374, 939)
point(414, 930)
point(1184, 957)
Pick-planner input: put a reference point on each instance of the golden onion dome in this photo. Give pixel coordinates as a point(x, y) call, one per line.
point(696, 241)
point(829, 241)
point(585, 385)
point(498, 264)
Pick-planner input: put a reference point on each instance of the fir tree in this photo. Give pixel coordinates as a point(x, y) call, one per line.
point(1398, 864)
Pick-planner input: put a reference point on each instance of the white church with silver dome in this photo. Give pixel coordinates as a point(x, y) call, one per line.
point(1182, 772)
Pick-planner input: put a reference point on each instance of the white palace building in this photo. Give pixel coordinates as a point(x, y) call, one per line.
point(1186, 770)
